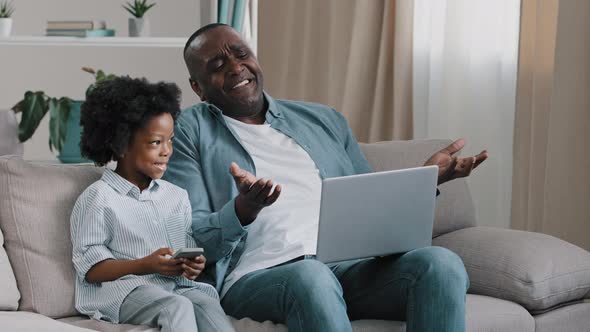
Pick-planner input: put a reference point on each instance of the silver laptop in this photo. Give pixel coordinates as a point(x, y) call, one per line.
point(376, 214)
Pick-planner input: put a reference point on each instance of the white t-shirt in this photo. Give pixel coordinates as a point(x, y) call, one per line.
point(288, 228)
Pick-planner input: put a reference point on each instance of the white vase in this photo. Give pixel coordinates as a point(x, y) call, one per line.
point(139, 27)
point(9, 143)
point(5, 26)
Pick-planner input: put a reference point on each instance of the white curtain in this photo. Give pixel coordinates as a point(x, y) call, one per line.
point(352, 55)
point(250, 26)
point(464, 65)
point(208, 10)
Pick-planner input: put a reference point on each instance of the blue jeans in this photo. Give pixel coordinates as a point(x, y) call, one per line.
point(425, 287)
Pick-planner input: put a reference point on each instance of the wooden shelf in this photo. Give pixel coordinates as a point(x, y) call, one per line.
point(93, 41)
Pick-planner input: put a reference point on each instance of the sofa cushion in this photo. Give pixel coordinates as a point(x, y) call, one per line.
point(35, 211)
point(8, 288)
point(22, 321)
point(96, 325)
point(242, 325)
point(571, 318)
point(454, 207)
point(483, 314)
point(488, 314)
point(535, 270)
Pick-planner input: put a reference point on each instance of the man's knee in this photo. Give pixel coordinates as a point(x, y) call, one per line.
point(311, 280)
point(437, 264)
point(312, 293)
point(311, 273)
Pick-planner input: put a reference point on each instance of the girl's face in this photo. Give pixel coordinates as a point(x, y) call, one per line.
point(148, 152)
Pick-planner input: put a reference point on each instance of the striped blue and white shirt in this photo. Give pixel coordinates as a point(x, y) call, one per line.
point(112, 219)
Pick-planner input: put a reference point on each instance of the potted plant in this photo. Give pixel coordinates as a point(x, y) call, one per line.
point(138, 25)
point(64, 121)
point(6, 11)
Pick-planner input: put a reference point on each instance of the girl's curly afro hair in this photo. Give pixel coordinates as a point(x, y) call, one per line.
point(116, 109)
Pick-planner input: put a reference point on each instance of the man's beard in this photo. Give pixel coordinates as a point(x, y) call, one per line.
point(243, 108)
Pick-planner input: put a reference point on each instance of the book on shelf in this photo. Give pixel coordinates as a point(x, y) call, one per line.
point(70, 25)
point(80, 32)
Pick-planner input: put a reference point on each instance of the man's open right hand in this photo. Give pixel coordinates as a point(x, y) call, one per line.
point(254, 194)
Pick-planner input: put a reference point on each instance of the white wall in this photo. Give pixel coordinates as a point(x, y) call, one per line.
point(176, 18)
point(56, 70)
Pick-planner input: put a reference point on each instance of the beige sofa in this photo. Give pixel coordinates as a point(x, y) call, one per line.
point(520, 281)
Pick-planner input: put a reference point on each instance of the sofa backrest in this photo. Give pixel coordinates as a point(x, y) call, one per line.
point(35, 205)
point(36, 200)
point(454, 206)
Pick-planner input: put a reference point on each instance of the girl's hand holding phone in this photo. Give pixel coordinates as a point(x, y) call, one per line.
point(160, 262)
point(193, 266)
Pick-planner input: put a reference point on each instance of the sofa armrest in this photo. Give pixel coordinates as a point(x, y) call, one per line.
point(535, 270)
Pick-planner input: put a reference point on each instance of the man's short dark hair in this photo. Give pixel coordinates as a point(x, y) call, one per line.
point(199, 32)
point(116, 109)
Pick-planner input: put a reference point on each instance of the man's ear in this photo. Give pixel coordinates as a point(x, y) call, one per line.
point(197, 89)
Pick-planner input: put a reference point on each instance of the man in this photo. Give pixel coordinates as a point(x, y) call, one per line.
point(253, 167)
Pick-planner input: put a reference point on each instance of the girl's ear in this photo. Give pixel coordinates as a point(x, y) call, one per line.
point(118, 154)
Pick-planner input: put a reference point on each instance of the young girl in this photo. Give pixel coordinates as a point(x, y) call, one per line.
point(126, 226)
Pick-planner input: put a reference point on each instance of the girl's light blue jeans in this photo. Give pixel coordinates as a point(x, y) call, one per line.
point(190, 311)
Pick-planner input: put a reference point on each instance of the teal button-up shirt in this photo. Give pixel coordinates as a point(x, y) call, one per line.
point(204, 147)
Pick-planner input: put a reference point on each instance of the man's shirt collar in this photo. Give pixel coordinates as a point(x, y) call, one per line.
point(273, 108)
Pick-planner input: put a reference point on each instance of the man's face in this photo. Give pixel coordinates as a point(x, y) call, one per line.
point(225, 73)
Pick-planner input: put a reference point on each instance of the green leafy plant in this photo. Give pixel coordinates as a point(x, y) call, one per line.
point(99, 76)
point(138, 8)
point(36, 104)
point(6, 9)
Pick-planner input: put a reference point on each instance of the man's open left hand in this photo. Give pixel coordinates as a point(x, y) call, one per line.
point(451, 167)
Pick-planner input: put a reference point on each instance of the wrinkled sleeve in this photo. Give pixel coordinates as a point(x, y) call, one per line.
point(90, 232)
point(217, 232)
